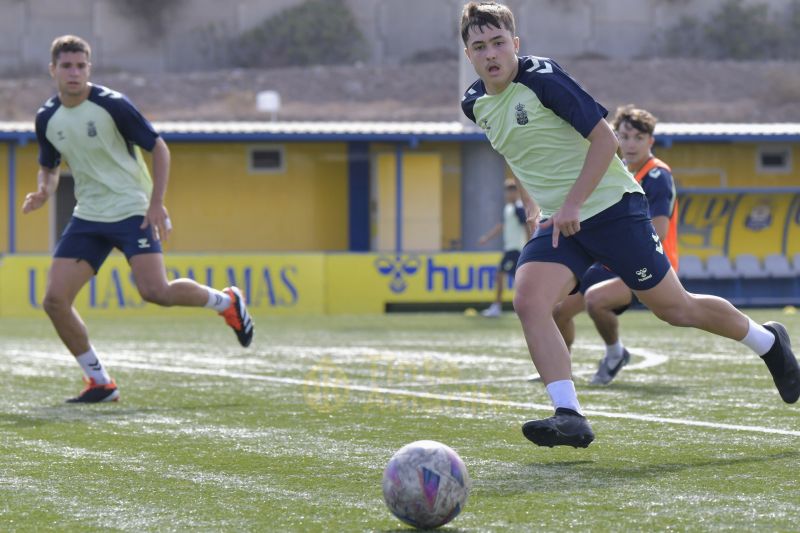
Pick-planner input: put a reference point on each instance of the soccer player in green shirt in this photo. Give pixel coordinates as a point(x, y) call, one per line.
point(554, 138)
point(99, 133)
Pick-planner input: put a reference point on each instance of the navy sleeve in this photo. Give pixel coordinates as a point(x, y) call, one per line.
point(560, 93)
point(660, 191)
point(49, 157)
point(474, 92)
point(131, 124)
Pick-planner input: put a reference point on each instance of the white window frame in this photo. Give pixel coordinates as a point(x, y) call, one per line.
point(774, 148)
point(280, 148)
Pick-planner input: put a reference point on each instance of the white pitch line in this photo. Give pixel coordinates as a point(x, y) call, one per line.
point(453, 398)
point(650, 359)
point(434, 396)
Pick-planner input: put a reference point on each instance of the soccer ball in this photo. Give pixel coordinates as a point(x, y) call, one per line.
point(425, 484)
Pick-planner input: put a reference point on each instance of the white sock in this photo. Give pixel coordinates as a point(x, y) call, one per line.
point(614, 353)
point(218, 300)
point(758, 338)
point(92, 367)
point(562, 394)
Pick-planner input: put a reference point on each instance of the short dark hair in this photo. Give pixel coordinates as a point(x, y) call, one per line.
point(68, 43)
point(482, 14)
point(639, 119)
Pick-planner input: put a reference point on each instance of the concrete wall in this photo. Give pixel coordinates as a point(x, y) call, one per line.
point(183, 35)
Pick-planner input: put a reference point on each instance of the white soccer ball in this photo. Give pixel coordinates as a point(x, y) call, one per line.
point(425, 484)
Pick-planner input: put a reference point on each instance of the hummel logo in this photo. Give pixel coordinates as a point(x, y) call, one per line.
point(541, 67)
point(659, 246)
point(143, 243)
point(643, 275)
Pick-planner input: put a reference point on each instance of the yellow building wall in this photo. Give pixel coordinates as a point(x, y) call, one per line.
point(739, 223)
point(33, 229)
point(218, 204)
point(451, 193)
point(422, 201)
point(450, 197)
point(3, 197)
point(725, 165)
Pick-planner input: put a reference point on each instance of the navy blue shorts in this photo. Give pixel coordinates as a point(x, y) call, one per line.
point(93, 241)
point(508, 263)
point(622, 238)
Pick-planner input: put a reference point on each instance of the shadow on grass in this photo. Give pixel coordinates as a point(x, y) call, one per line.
point(640, 389)
point(69, 413)
point(588, 474)
point(444, 529)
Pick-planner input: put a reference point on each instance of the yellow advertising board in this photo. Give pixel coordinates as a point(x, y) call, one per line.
point(373, 283)
point(739, 223)
point(299, 284)
point(277, 284)
point(792, 236)
point(703, 223)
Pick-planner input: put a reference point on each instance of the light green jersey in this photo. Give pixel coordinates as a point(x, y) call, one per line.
point(100, 140)
point(539, 124)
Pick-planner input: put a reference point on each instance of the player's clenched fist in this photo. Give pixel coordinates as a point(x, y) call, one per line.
point(34, 200)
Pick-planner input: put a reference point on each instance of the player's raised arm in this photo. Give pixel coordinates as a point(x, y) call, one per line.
point(47, 178)
point(157, 215)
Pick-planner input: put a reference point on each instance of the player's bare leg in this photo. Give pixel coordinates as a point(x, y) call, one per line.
point(150, 276)
point(539, 287)
point(601, 301)
point(670, 302)
point(65, 280)
point(564, 313)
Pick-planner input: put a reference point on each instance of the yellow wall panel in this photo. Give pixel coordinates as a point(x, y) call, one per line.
point(217, 204)
point(451, 193)
point(3, 198)
point(792, 238)
point(33, 229)
point(422, 201)
point(739, 223)
point(759, 224)
point(725, 165)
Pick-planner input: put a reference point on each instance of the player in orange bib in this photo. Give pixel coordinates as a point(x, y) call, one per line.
point(602, 293)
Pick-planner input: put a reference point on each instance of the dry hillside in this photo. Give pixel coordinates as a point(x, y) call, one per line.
point(676, 90)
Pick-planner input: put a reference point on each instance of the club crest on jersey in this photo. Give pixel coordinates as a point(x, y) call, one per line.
point(91, 129)
point(484, 124)
point(522, 114)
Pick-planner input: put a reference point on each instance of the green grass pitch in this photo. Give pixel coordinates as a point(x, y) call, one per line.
point(293, 433)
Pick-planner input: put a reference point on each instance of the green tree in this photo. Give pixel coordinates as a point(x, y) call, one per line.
point(317, 32)
point(737, 31)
